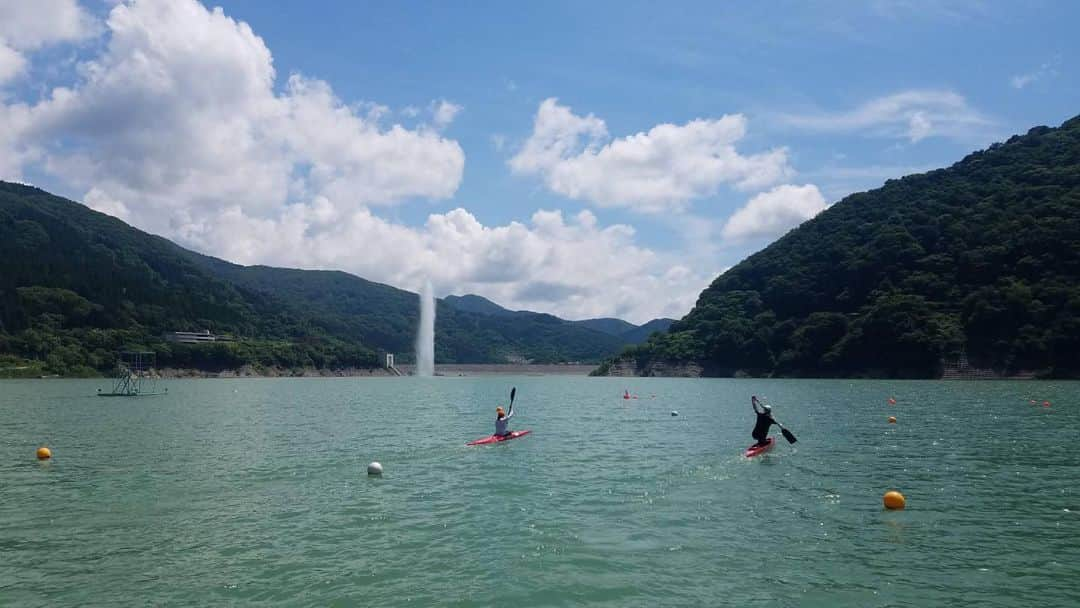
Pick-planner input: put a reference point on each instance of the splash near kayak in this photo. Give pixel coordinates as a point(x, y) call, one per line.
point(756, 450)
point(498, 438)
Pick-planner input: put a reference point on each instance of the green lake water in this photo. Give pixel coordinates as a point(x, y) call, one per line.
point(237, 492)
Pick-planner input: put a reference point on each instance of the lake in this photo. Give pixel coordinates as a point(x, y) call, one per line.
point(254, 491)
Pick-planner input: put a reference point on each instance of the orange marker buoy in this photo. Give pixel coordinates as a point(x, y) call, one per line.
point(44, 453)
point(892, 419)
point(894, 500)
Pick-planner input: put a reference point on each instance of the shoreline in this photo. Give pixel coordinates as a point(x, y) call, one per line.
point(446, 370)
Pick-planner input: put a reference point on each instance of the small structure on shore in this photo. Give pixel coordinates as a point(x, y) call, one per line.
point(136, 376)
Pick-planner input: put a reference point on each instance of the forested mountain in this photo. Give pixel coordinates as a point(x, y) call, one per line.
point(76, 286)
point(642, 332)
point(982, 259)
point(478, 304)
point(626, 332)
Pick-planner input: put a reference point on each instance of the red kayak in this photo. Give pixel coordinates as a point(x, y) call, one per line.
point(754, 450)
point(498, 438)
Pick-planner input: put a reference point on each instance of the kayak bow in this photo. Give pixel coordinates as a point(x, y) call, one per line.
point(498, 438)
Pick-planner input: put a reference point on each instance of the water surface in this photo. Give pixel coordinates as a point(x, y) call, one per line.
point(254, 491)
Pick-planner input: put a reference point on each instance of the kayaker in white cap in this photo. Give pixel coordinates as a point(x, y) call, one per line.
point(764, 421)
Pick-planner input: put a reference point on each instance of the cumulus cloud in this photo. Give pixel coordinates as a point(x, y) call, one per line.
point(571, 267)
point(659, 170)
point(12, 62)
point(179, 125)
point(771, 214)
point(31, 25)
point(912, 115)
point(179, 115)
point(28, 26)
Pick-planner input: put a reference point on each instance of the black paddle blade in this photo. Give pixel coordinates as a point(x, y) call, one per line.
point(787, 435)
point(513, 392)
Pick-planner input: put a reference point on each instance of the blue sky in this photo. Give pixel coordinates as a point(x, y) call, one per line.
point(585, 159)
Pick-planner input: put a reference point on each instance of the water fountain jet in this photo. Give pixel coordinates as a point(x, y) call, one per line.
point(425, 334)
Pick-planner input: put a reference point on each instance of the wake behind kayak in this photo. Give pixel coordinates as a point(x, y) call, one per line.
point(498, 438)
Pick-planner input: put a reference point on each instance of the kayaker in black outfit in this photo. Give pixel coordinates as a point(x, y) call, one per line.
point(764, 421)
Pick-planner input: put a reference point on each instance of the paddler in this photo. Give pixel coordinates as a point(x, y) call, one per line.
point(764, 421)
point(502, 420)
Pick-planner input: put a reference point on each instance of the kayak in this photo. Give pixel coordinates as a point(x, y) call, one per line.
point(498, 438)
point(754, 450)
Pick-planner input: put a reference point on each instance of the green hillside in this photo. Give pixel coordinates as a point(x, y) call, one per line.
point(981, 258)
point(478, 304)
point(76, 286)
point(626, 332)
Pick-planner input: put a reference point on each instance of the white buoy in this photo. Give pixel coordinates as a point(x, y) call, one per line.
point(374, 469)
point(674, 413)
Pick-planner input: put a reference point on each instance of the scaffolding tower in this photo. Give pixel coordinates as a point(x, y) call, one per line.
point(136, 376)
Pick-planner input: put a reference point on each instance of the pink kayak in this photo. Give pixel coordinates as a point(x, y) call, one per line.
point(498, 438)
point(754, 450)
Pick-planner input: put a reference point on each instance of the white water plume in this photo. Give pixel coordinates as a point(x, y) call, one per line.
point(425, 334)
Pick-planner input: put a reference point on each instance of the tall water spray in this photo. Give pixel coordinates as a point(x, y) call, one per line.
point(425, 334)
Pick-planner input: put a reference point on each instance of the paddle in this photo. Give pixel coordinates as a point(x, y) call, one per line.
point(787, 434)
point(513, 392)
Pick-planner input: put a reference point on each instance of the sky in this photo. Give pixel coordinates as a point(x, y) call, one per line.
point(583, 159)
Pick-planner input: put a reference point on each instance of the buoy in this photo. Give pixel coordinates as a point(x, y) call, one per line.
point(894, 500)
point(374, 469)
point(892, 419)
point(44, 453)
point(674, 413)
point(892, 401)
point(1046, 404)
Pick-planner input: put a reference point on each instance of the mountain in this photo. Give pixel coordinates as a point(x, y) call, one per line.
point(76, 286)
point(477, 304)
point(641, 333)
point(614, 327)
point(626, 332)
point(976, 264)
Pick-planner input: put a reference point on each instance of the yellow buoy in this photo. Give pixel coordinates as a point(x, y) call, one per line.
point(894, 500)
point(892, 419)
point(44, 453)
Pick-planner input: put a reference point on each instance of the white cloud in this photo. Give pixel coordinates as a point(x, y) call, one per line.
point(99, 201)
point(574, 268)
point(27, 26)
point(179, 115)
point(30, 24)
point(12, 62)
point(176, 126)
point(444, 113)
point(913, 115)
point(772, 213)
point(1046, 70)
point(660, 170)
